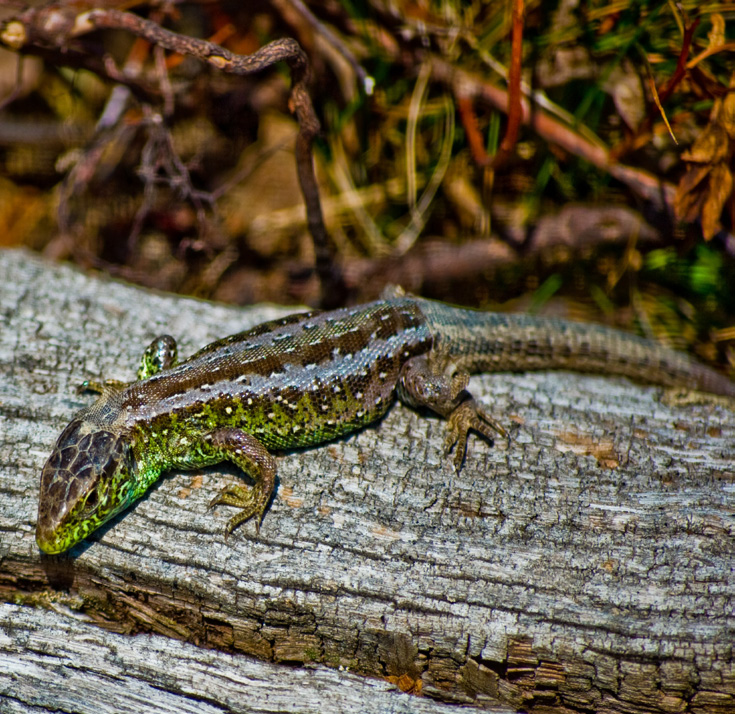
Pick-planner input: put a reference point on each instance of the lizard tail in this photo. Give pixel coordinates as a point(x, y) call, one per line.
point(496, 342)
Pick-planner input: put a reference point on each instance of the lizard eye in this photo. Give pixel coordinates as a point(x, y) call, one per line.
point(92, 500)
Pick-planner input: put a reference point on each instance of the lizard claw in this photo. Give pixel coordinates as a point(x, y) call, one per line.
point(247, 500)
point(468, 416)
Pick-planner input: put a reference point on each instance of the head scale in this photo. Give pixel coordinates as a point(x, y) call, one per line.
point(86, 481)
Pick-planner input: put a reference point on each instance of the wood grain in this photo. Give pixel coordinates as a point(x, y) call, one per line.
point(587, 566)
point(52, 662)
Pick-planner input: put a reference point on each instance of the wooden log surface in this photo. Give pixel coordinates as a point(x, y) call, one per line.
point(54, 662)
point(589, 565)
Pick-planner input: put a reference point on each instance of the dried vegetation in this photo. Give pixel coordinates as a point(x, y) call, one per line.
point(576, 154)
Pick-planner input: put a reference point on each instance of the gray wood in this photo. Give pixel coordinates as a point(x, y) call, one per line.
point(587, 566)
point(54, 662)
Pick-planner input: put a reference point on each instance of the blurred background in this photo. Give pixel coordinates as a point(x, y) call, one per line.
point(606, 194)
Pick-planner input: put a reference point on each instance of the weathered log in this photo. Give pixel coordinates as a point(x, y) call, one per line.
point(587, 566)
point(53, 662)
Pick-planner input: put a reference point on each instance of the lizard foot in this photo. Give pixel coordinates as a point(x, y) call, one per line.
point(109, 385)
point(434, 382)
point(248, 500)
point(160, 354)
point(468, 416)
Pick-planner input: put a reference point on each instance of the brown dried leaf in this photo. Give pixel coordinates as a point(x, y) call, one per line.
point(727, 113)
point(720, 186)
point(708, 182)
point(690, 193)
point(624, 84)
point(716, 35)
point(710, 146)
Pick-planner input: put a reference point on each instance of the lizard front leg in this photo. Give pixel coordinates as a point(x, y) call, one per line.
point(248, 454)
point(434, 383)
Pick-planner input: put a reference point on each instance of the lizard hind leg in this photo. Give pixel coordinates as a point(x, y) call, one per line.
point(109, 386)
point(436, 384)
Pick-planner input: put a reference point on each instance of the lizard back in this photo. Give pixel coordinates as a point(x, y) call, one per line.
point(296, 381)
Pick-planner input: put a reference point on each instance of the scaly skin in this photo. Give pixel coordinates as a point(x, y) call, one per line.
point(304, 380)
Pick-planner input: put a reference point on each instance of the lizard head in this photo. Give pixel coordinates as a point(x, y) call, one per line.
point(85, 482)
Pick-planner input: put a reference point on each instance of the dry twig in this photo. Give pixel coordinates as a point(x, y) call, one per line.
point(53, 30)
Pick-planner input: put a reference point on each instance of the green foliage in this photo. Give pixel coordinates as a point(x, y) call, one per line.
point(701, 272)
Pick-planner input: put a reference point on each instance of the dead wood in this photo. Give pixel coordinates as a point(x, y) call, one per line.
point(589, 566)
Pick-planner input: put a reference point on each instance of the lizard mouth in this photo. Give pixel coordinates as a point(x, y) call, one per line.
point(48, 541)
